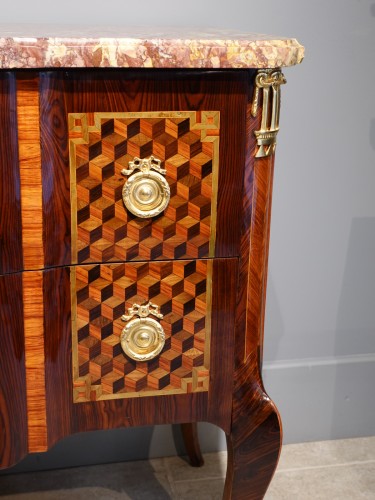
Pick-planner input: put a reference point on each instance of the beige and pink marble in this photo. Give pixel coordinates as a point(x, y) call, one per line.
point(49, 46)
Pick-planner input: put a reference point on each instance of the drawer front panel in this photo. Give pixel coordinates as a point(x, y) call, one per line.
point(81, 132)
point(65, 416)
point(180, 291)
point(38, 401)
point(104, 146)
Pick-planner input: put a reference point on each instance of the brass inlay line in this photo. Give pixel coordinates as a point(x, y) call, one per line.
point(84, 390)
point(209, 127)
point(73, 198)
point(73, 301)
point(207, 346)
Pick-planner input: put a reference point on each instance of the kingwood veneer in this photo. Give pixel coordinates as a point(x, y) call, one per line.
point(74, 258)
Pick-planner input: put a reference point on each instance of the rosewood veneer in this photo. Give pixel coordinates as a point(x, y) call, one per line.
point(135, 202)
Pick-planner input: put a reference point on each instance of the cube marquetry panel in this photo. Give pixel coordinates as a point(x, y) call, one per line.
point(102, 293)
point(102, 144)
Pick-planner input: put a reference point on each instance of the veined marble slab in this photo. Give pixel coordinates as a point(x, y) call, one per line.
point(53, 46)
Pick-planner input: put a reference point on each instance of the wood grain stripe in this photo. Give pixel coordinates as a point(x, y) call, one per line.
point(13, 411)
point(33, 257)
point(10, 206)
point(30, 173)
point(254, 442)
point(259, 243)
point(35, 359)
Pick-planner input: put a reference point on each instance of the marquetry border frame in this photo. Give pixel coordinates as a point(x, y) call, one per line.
point(209, 125)
point(88, 389)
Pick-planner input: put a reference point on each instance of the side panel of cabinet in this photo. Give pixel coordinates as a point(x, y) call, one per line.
point(13, 412)
point(129, 91)
point(64, 416)
point(10, 204)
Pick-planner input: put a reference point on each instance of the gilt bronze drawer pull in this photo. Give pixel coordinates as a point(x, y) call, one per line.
point(142, 338)
point(146, 193)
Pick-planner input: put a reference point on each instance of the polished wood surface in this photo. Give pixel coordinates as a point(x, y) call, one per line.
point(191, 441)
point(30, 172)
point(101, 294)
point(254, 442)
point(13, 411)
point(63, 92)
point(102, 145)
point(33, 312)
point(10, 200)
point(65, 417)
point(236, 400)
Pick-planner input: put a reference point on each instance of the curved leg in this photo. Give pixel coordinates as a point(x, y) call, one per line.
point(254, 444)
point(191, 441)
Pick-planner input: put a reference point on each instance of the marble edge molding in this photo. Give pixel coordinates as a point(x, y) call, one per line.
point(84, 52)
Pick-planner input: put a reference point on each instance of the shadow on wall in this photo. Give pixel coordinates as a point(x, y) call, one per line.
point(372, 129)
point(353, 405)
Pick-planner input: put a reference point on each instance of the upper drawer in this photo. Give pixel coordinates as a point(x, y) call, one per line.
point(77, 130)
point(143, 185)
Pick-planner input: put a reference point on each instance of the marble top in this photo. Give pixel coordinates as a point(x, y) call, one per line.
point(53, 46)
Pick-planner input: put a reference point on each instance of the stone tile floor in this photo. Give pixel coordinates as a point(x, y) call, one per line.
point(342, 470)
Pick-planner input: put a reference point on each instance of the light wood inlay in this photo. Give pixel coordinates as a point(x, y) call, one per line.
point(30, 173)
point(103, 144)
point(33, 257)
point(34, 360)
point(102, 293)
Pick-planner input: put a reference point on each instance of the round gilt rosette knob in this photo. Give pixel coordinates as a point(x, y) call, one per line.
point(146, 193)
point(143, 338)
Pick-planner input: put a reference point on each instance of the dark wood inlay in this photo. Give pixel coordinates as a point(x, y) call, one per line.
point(13, 412)
point(10, 199)
point(65, 417)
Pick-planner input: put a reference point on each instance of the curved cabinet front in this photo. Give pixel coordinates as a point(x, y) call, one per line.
point(91, 383)
point(131, 189)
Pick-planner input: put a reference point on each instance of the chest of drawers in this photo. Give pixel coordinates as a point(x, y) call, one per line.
point(135, 214)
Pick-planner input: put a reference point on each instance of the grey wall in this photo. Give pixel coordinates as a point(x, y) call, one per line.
point(320, 325)
point(320, 330)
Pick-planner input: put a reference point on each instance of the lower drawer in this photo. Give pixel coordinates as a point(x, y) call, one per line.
point(63, 368)
point(141, 329)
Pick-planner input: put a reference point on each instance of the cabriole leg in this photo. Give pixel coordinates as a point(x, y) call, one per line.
point(191, 442)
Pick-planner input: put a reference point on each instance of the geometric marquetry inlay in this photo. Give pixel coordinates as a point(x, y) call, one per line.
point(103, 144)
point(102, 293)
